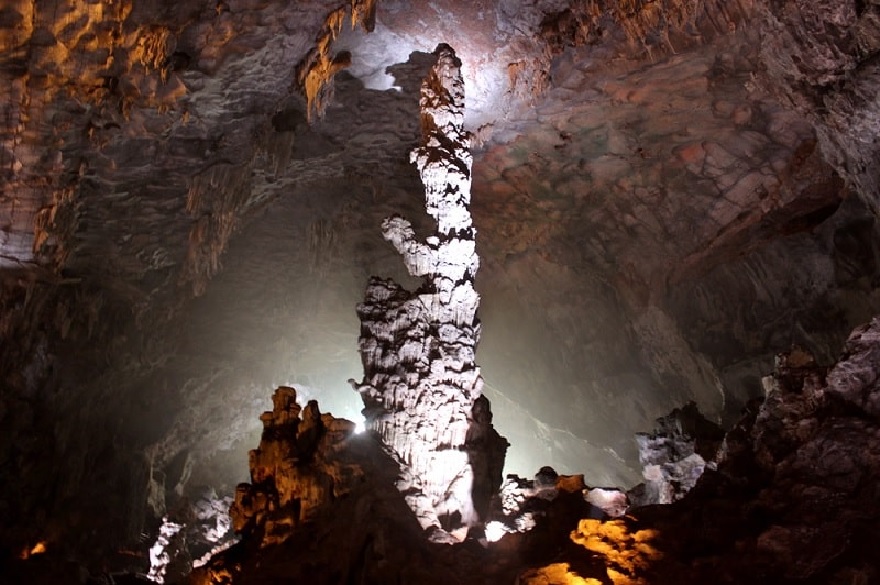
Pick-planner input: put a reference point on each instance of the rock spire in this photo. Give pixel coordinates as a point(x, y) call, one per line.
point(422, 389)
point(301, 465)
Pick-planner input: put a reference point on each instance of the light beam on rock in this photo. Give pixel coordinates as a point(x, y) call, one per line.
point(422, 389)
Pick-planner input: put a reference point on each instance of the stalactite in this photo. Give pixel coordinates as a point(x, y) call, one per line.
point(316, 71)
point(154, 47)
point(215, 199)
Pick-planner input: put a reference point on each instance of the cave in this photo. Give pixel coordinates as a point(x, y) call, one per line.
point(675, 207)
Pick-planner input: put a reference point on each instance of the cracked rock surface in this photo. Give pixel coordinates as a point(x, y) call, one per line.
point(667, 194)
point(422, 389)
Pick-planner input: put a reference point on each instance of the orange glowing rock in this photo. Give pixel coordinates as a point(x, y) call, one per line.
point(317, 70)
point(627, 554)
point(555, 574)
point(39, 548)
point(571, 483)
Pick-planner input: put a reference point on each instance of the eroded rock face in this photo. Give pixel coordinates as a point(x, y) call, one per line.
point(422, 389)
point(825, 66)
point(299, 468)
point(803, 468)
point(521, 504)
point(675, 455)
point(794, 498)
point(668, 193)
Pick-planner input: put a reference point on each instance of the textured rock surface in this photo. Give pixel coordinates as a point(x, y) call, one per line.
point(299, 468)
point(129, 155)
point(794, 499)
point(422, 389)
point(823, 63)
point(369, 534)
point(667, 193)
point(675, 455)
point(807, 484)
point(521, 504)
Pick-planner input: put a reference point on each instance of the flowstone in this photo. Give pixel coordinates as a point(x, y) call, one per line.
point(422, 389)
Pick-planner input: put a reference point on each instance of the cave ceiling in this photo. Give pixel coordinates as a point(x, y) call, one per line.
point(666, 193)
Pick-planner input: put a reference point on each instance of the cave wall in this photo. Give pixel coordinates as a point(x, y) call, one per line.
point(666, 193)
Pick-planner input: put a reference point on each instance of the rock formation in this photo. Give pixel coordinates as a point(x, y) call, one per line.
point(295, 529)
point(627, 556)
point(522, 504)
point(297, 469)
point(795, 496)
point(675, 455)
point(422, 389)
point(668, 194)
point(794, 499)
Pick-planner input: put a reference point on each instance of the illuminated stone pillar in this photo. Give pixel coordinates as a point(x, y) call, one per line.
point(422, 389)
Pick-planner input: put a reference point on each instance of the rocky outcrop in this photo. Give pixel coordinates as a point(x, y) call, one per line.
point(626, 553)
point(522, 504)
point(651, 29)
point(123, 179)
point(298, 469)
point(821, 58)
point(795, 496)
point(794, 499)
point(422, 389)
point(675, 455)
point(323, 508)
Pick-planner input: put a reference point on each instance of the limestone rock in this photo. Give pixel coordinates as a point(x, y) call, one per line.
point(623, 146)
point(855, 379)
point(422, 389)
point(297, 469)
point(794, 498)
point(371, 536)
point(523, 503)
point(675, 455)
point(612, 501)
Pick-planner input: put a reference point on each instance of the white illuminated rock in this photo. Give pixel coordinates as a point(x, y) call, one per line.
point(422, 389)
point(675, 455)
point(161, 552)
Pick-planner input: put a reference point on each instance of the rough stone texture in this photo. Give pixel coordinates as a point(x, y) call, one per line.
point(675, 455)
point(125, 172)
point(369, 534)
point(627, 265)
point(855, 378)
point(371, 537)
point(821, 59)
point(299, 468)
point(613, 502)
point(422, 389)
point(794, 499)
point(795, 495)
point(521, 504)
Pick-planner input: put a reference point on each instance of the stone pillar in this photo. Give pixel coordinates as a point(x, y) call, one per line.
point(421, 382)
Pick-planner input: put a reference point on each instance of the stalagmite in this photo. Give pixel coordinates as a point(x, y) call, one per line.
point(300, 467)
point(422, 389)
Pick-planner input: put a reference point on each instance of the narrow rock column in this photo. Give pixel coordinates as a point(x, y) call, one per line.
point(422, 389)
